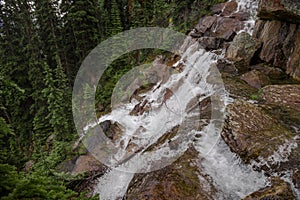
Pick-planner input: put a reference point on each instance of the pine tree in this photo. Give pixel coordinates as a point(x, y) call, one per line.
point(81, 32)
point(115, 25)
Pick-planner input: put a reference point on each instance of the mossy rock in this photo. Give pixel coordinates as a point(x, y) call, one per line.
point(180, 180)
point(252, 133)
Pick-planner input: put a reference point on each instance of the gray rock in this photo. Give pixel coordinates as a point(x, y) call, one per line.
point(241, 50)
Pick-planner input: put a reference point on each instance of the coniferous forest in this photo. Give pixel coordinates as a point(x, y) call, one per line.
point(42, 45)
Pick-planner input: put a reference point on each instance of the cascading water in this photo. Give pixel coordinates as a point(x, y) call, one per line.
point(232, 179)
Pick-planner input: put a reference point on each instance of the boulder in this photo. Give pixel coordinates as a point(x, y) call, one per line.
point(205, 23)
point(251, 133)
point(210, 43)
point(180, 180)
point(256, 79)
point(225, 9)
point(242, 49)
point(279, 190)
point(280, 45)
point(112, 130)
point(87, 163)
point(226, 28)
point(284, 10)
point(282, 95)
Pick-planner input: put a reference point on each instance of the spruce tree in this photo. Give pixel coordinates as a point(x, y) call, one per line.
point(81, 32)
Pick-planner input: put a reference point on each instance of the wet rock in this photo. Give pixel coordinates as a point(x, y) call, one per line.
point(210, 43)
point(242, 49)
point(296, 178)
point(112, 130)
point(251, 133)
point(180, 180)
point(278, 190)
point(280, 45)
point(87, 163)
point(284, 10)
point(256, 79)
point(226, 28)
point(242, 16)
point(140, 108)
point(226, 66)
point(282, 95)
point(225, 9)
point(205, 23)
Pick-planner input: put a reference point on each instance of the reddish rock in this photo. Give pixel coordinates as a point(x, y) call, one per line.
point(278, 190)
point(87, 163)
point(256, 79)
point(226, 28)
point(251, 133)
point(270, 35)
point(293, 64)
point(205, 23)
point(225, 9)
point(272, 72)
point(282, 95)
point(180, 180)
point(242, 16)
point(284, 10)
point(281, 45)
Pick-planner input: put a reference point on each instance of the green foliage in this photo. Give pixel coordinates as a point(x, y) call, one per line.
point(14, 185)
point(257, 95)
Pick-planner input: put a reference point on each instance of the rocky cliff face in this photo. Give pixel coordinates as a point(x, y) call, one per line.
point(278, 28)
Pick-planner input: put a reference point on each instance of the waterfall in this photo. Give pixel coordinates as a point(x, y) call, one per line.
point(168, 104)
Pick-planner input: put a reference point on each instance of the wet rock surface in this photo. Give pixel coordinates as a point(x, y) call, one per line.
point(225, 9)
point(282, 95)
point(112, 130)
point(214, 31)
point(278, 190)
point(181, 180)
point(251, 133)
